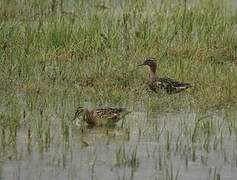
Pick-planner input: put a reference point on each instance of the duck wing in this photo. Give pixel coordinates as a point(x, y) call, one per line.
point(111, 113)
point(169, 85)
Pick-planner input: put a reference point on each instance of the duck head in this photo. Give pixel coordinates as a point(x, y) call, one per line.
point(79, 112)
point(151, 62)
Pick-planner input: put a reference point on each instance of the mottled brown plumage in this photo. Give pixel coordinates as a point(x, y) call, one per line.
point(101, 116)
point(169, 85)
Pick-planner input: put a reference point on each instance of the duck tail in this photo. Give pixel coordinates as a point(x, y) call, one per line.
point(188, 85)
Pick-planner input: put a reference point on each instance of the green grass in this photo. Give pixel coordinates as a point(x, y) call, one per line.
point(54, 56)
point(90, 52)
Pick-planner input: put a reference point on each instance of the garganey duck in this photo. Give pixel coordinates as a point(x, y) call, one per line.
point(101, 116)
point(169, 85)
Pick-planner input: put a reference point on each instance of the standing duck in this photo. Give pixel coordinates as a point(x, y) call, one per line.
point(169, 85)
point(101, 116)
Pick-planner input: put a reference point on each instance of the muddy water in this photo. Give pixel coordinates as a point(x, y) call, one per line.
point(181, 145)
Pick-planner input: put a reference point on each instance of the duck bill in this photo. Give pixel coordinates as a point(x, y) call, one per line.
point(141, 64)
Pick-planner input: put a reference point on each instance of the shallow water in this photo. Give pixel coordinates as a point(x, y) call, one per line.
point(150, 146)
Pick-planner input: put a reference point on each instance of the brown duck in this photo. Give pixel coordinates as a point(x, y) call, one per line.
point(101, 116)
point(169, 85)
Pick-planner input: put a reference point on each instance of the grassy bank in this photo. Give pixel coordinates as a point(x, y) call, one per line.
point(88, 51)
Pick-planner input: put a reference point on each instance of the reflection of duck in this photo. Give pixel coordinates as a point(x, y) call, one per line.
point(169, 85)
point(101, 116)
point(100, 134)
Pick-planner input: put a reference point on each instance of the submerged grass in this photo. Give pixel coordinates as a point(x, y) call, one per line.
point(90, 50)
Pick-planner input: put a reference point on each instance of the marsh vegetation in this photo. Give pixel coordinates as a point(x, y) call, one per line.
point(56, 55)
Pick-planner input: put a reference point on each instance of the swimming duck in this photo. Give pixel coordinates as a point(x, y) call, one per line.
point(101, 116)
point(169, 85)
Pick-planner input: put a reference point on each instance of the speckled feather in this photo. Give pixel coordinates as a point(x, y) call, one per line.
point(101, 115)
point(169, 85)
